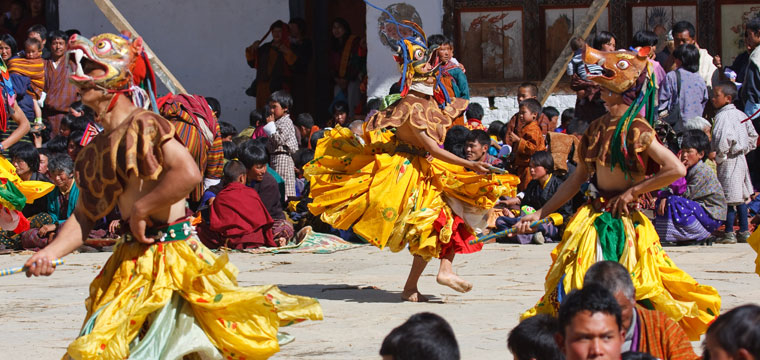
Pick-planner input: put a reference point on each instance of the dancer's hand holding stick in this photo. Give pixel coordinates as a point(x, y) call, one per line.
point(554, 218)
point(16, 270)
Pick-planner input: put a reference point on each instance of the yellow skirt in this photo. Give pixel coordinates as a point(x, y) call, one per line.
point(392, 198)
point(754, 241)
point(183, 291)
point(656, 278)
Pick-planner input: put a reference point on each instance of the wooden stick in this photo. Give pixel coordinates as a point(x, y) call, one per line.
point(162, 72)
point(582, 31)
point(16, 270)
point(553, 218)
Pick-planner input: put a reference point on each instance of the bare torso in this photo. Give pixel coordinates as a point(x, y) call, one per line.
point(136, 189)
point(614, 181)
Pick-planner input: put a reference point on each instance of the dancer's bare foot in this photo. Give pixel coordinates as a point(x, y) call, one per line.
point(413, 296)
point(453, 281)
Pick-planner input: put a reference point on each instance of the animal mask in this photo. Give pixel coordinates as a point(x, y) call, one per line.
point(417, 61)
point(111, 53)
point(621, 68)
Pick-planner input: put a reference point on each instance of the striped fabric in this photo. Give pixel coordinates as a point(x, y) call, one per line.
point(661, 337)
point(34, 69)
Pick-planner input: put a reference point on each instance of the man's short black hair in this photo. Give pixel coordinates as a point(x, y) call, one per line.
point(26, 152)
point(305, 120)
point(753, 25)
point(230, 150)
point(593, 298)
point(253, 153)
point(696, 139)
point(57, 34)
point(58, 144)
point(543, 158)
point(567, 116)
point(283, 98)
point(728, 88)
point(38, 29)
point(529, 85)
point(533, 338)
point(315, 138)
point(495, 128)
point(737, 329)
point(644, 38)
point(226, 129)
point(550, 112)
point(474, 111)
point(440, 40)
point(682, 26)
point(480, 137)
point(455, 140)
point(215, 106)
point(688, 54)
point(424, 336)
point(532, 104)
point(232, 170)
point(303, 157)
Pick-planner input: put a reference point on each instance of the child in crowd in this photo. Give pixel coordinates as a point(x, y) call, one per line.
point(238, 218)
point(565, 119)
point(452, 76)
point(553, 115)
point(282, 142)
point(576, 66)
point(695, 206)
point(533, 339)
point(424, 336)
point(339, 115)
point(474, 115)
point(305, 126)
point(526, 140)
point(526, 91)
point(32, 66)
point(255, 158)
point(538, 192)
point(227, 130)
point(255, 126)
point(734, 335)
point(731, 141)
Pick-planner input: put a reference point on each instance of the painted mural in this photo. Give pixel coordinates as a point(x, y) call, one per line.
point(491, 44)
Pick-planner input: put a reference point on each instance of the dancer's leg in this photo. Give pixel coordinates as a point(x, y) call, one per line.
point(411, 293)
point(446, 275)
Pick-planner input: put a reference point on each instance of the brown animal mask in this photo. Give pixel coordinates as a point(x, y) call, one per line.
point(621, 68)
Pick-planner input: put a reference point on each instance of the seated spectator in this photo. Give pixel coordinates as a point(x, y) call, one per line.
point(496, 133)
point(228, 131)
point(633, 355)
point(565, 119)
point(476, 148)
point(456, 139)
point(61, 202)
point(424, 336)
point(230, 151)
point(474, 116)
point(238, 218)
point(255, 159)
point(644, 330)
point(301, 158)
point(74, 144)
point(533, 339)
point(734, 335)
point(590, 325)
point(57, 145)
point(216, 107)
point(538, 192)
point(553, 115)
point(44, 157)
point(356, 127)
point(339, 113)
point(305, 126)
point(693, 207)
point(255, 129)
point(314, 138)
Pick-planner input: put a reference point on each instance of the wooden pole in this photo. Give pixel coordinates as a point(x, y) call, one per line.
point(582, 31)
point(162, 72)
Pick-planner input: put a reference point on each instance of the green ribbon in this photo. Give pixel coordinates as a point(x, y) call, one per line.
point(11, 193)
point(389, 100)
point(611, 236)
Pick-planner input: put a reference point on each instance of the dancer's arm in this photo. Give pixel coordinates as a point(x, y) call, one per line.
point(441, 154)
point(21, 130)
point(70, 236)
point(564, 193)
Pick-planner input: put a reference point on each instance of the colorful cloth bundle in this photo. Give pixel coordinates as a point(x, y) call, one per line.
point(34, 69)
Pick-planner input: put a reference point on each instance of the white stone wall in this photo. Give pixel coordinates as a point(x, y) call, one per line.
point(505, 107)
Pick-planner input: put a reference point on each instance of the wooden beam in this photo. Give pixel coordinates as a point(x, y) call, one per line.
point(162, 72)
point(582, 30)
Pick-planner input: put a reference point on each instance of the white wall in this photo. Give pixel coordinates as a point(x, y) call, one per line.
point(201, 42)
point(381, 68)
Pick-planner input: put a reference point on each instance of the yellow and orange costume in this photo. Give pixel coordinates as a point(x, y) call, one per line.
point(174, 297)
point(593, 234)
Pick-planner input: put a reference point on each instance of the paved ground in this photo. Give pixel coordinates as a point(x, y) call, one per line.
point(359, 291)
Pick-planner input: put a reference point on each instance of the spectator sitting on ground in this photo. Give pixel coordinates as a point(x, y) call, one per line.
point(533, 339)
point(314, 138)
point(255, 158)
point(734, 335)
point(61, 202)
point(590, 325)
point(424, 336)
point(356, 127)
point(474, 115)
point(476, 148)
point(565, 119)
point(656, 333)
point(228, 131)
point(456, 139)
point(305, 126)
point(255, 127)
point(238, 217)
point(496, 133)
point(553, 115)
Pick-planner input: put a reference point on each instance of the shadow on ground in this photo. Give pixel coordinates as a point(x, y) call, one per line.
point(349, 293)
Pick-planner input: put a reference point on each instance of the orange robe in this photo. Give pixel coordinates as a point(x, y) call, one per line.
point(661, 337)
point(531, 140)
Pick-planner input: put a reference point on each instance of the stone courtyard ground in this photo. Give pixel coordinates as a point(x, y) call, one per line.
point(359, 292)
